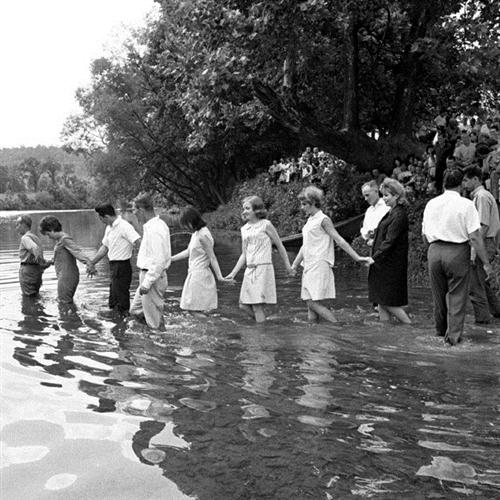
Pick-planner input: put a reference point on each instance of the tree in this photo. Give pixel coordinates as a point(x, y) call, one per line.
point(211, 90)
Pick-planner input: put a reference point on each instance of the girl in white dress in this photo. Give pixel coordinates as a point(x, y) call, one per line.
point(317, 255)
point(199, 292)
point(257, 235)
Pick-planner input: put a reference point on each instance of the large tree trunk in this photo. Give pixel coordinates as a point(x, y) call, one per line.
point(352, 146)
point(350, 120)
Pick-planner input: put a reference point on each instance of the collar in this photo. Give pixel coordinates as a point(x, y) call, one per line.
point(380, 203)
point(116, 221)
point(479, 188)
point(449, 192)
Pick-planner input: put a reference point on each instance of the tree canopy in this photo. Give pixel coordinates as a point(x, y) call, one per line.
point(210, 91)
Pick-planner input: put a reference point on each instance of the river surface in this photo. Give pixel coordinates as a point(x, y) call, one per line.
point(218, 407)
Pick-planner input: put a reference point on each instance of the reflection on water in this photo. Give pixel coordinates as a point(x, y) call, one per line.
point(221, 408)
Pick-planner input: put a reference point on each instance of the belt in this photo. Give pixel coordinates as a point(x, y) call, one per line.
point(448, 242)
point(113, 261)
point(29, 264)
point(145, 270)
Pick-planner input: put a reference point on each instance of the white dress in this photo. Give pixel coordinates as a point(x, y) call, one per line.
point(318, 281)
point(258, 285)
point(200, 291)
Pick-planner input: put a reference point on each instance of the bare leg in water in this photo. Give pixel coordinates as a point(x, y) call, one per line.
point(386, 311)
point(316, 310)
point(255, 311)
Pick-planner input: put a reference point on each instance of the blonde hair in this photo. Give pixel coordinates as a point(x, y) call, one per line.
point(392, 186)
point(312, 195)
point(257, 205)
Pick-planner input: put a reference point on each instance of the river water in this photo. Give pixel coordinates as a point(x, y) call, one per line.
point(218, 407)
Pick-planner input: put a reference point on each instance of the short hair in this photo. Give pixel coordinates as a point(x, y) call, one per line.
point(370, 184)
point(106, 209)
point(144, 201)
point(395, 188)
point(452, 179)
point(258, 207)
point(26, 220)
point(50, 223)
point(473, 171)
point(312, 195)
point(191, 218)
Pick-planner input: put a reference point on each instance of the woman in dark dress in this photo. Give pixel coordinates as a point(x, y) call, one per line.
point(66, 253)
point(387, 276)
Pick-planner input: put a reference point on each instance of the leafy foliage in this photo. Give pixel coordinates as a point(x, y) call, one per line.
point(211, 91)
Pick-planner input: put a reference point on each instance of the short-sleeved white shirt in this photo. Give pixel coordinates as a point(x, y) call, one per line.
point(119, 238)
point(450, 217)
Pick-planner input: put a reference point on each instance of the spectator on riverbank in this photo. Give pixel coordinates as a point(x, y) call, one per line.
point(153, 260)
point(484, 299)
point(118, 244)
point(31, 256)
point(465, 152)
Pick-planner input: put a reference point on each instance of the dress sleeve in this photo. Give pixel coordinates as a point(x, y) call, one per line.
point(74, 249)
point(397, 226)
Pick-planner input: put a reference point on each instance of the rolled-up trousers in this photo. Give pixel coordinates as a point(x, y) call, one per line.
point(150, 304)
point(449, 273)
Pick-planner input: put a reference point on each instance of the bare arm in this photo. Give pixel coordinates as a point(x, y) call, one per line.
point(327, 225)
point(298, 259)
point(241, 262)
point(273, 234)
point(103, 250)
point(181, 255)
point(209, 249)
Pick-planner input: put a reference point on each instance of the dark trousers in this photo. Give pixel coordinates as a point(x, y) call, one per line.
point(483, 297)
point(119, 288)
point(449, 272)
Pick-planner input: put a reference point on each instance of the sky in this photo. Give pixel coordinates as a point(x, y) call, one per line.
point(46, 47)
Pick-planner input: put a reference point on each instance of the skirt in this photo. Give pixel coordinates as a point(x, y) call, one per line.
point(259, 286)
point(200, 291)
point(318, 282)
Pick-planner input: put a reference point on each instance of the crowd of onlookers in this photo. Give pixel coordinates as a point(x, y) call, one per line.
point(312, 166)
point(457, 143)
point(453, 142)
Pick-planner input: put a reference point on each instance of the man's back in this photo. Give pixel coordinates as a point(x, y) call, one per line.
point(449, 217)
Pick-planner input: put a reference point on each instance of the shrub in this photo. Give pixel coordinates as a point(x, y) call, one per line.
point(342, 200)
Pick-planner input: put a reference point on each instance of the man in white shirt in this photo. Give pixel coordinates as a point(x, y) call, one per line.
point(451, 225)
point(153, 260)
point(374, 213)
point(484, 299)
point(118, 244)
point(465, 153)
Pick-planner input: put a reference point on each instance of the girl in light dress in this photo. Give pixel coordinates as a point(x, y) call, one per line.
point(317, 255)
point(257, 235)
point(199, 292)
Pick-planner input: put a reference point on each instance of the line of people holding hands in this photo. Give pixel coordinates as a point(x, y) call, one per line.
point(451, 225)
point(199, 291)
